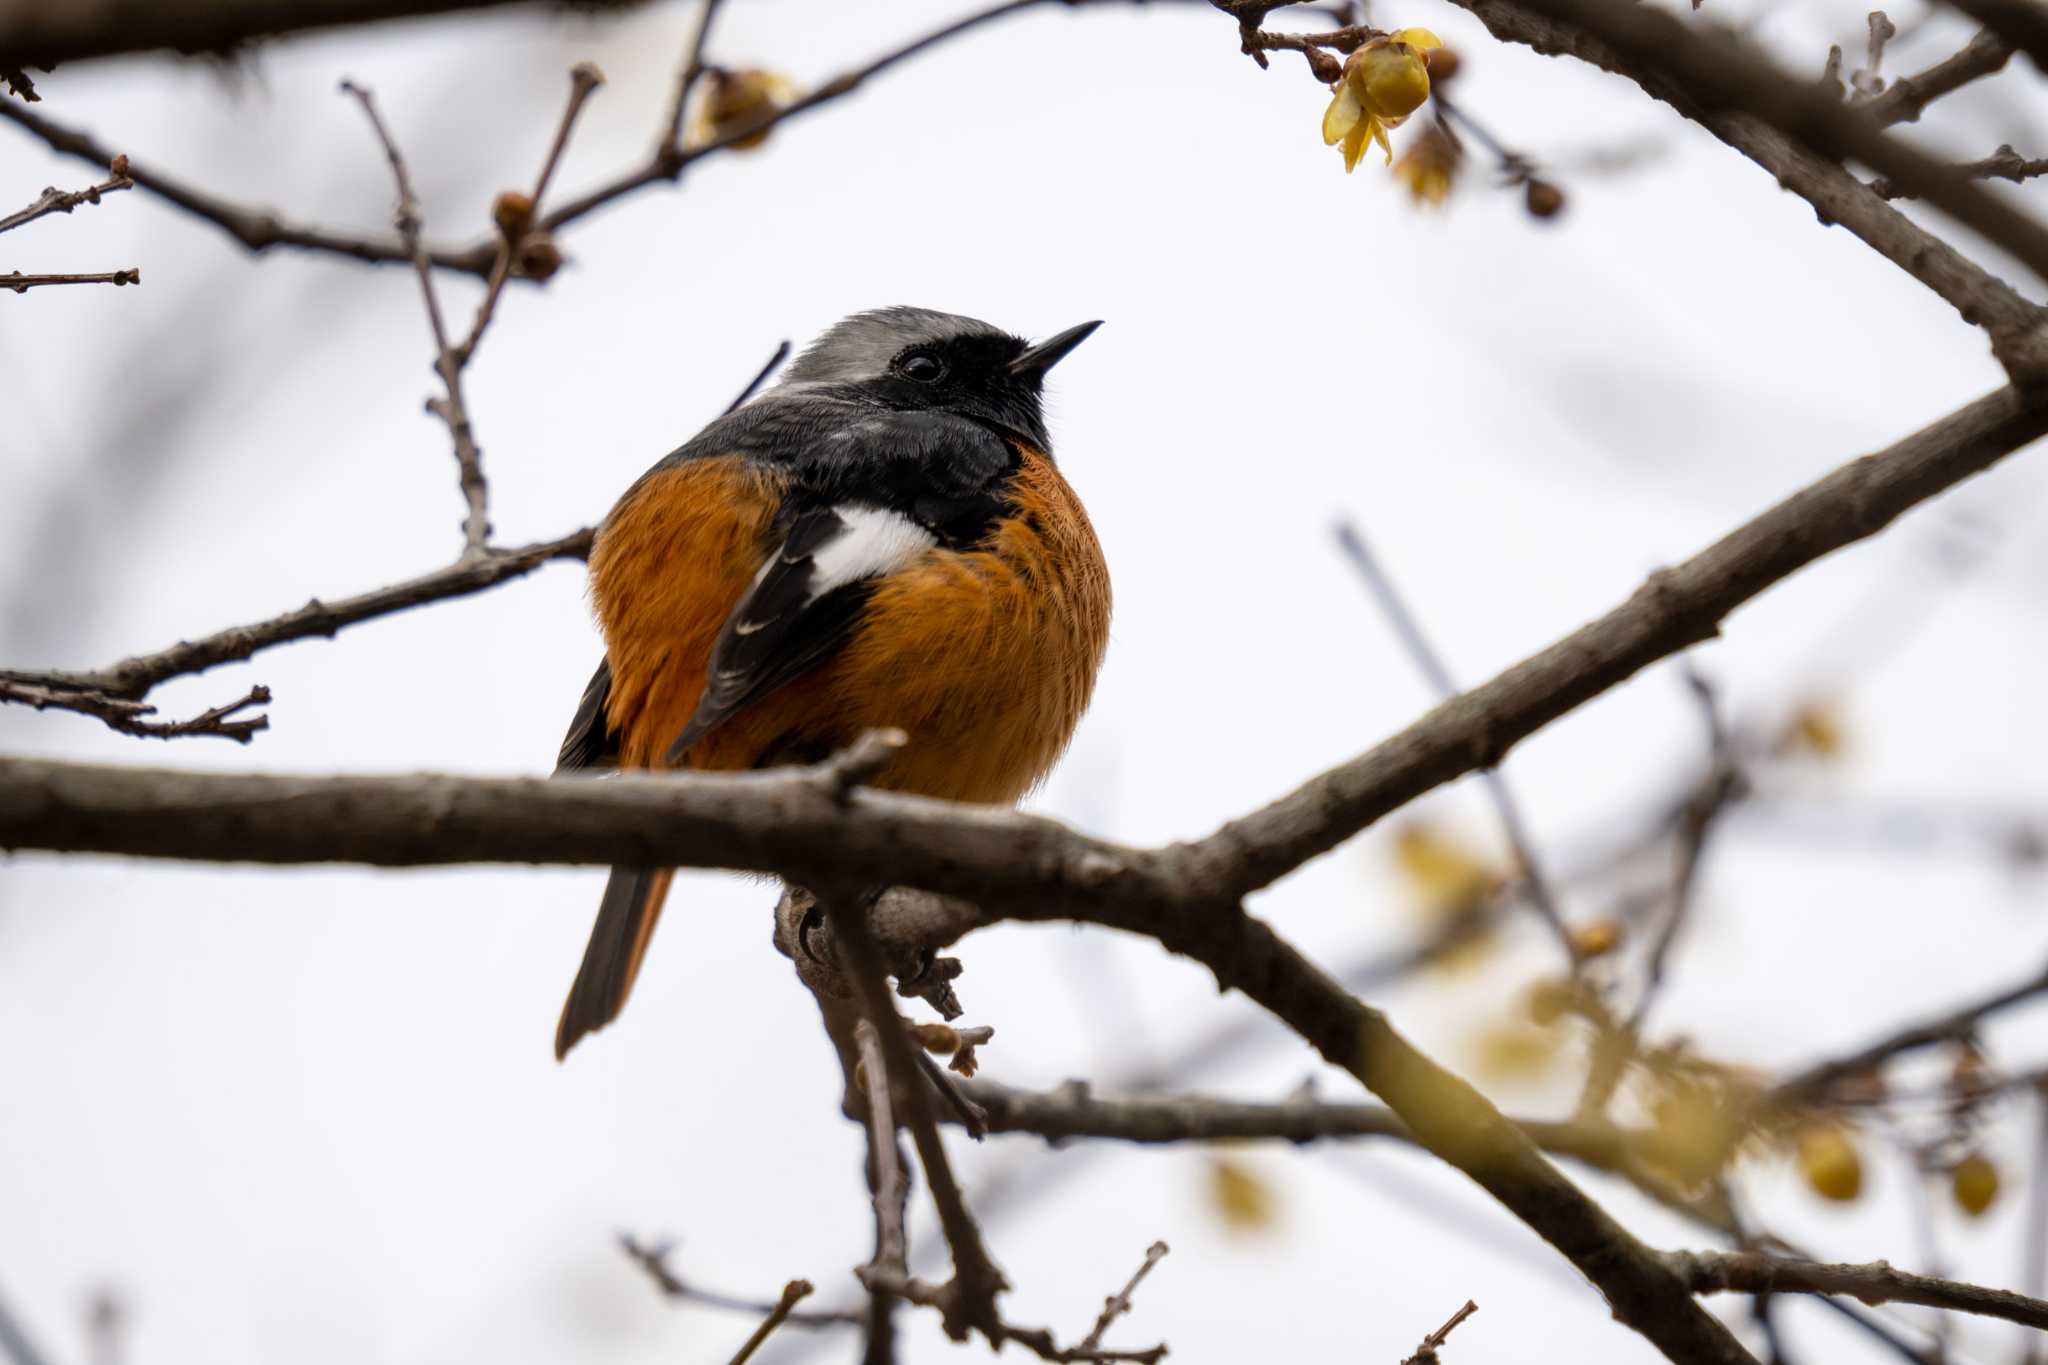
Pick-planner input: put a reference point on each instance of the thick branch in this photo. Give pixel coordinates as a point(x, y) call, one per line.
point(42, 33)
point(1717, 73)
point(1754, 1272)
point(2022, 23)
point(1837, 196)
point(1675, 609)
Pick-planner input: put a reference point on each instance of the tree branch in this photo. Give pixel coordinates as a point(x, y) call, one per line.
point(38, 33)
point(21, 283)
point(60, 201)
point(2022, 23)
point(1754, 1272)
point(257, 229)
point(1905, 98)
point(132, 679)
point(1980, 297)
point(1812, 1084)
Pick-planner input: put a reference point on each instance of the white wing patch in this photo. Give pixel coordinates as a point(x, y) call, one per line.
point(875, 542)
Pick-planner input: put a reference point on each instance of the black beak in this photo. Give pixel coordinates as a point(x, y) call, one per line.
point(1038, 359)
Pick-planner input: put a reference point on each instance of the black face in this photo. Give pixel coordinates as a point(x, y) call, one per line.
point(969, 376)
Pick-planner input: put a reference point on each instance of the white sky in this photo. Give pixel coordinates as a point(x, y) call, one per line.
point(313, 1116)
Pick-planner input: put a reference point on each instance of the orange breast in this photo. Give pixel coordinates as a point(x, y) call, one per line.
point(984, 657)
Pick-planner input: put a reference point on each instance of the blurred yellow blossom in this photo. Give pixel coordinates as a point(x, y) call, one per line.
point(1443, 873)
point(1383, 83)
point(1829, 1163)
point(1243, 1200)
point(733, 100)
point(1428, 165)
point(1815, 729)
point(1975, 1183)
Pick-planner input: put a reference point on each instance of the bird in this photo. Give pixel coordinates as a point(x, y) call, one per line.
point(880, 540)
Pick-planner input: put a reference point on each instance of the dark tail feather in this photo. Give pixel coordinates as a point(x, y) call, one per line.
point(618, 943)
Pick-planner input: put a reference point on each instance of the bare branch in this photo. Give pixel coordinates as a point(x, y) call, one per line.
point(35, 33)
point(59, 201)
point(129, 717)
point(1837, 196)
point(469, 458)
point(892, 1250)
point(584, 79)
point(2003, 164)
point(654, 1260)
point(1119, 1303)
point(1425, 1354)
point(686, 79)
point(132, 679)
point(1905, 99)
point(1813, 1084)
point(1722, 784)
point(1675, 609)
point(793, 1293)
point(1409, 631)
point(1754, 1272)
point(258, 229)
point(21, 283)
point(2022, 23)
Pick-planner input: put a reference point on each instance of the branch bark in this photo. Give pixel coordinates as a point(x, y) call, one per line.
point(1774, 140)
point(39, 33)
point(1754, 1272)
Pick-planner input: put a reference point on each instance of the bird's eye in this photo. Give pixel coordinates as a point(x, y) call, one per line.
point(923, 367)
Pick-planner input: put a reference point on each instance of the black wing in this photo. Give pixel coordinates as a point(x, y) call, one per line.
point(590, 742)
point(802, 606)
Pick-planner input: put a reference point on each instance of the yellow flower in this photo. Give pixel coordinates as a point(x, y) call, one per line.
point(1383, 83)
point(733, 100)
point(1428, 165)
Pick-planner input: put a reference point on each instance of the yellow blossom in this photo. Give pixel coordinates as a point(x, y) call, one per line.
point(733, 100)
point(1427, 166)
point(1383, 83)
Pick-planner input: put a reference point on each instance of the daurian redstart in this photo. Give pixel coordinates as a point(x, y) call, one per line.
point(879, 540)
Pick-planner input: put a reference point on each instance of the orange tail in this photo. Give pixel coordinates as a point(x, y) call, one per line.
point(618, 943)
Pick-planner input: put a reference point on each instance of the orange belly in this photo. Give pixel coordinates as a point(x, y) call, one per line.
point(984, 657)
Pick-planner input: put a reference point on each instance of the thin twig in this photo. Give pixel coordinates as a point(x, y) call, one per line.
point(469, 460)
point(1119, 1303)
point(1812, 1084)
point(692, 71)
point(130, 717)
point(21, 283)
point(60, 201)
point(793, 1293)
point(1425, 1354)
point(132, 679)
point(2034, 1233)
point(653, 1259)
point(584, 79)
point(1410, 633)
point(1721, 785)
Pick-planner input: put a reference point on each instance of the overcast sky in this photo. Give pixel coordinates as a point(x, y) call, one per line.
point(312, 1116)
